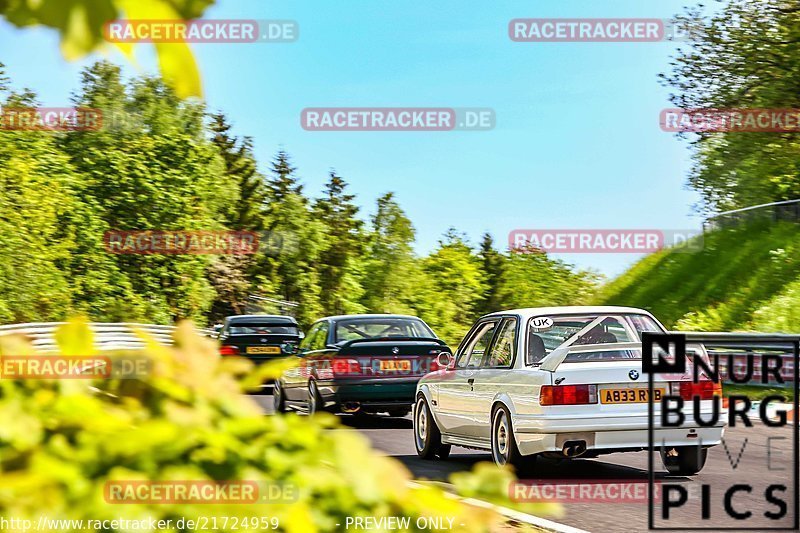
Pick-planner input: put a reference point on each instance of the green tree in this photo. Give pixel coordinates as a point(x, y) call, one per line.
point(453, 286)
point(246, 211)
point(390, 266)
point(37, 189)
point(535, 280)
point(154, 170)
point(284, 181)
point(292, 242)
point(744, 55)
point(232, 276)
point(493, 265)
point(4, 81)
point(54, 262)
point(340, 289)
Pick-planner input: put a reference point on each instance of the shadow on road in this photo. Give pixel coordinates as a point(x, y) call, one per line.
point(375, 422)
point(545, 469)
point(440, 470)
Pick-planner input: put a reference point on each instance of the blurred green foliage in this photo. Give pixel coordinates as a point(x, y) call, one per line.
point(80, 24)
point(758, 392)
point(491, 484)
point(61, 441)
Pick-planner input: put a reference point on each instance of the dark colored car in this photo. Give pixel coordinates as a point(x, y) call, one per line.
point(360, 364)
point(259, 337)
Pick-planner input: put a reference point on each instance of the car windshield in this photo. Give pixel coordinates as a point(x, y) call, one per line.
point(583, 333)
point(264, 329)
point(366, 328)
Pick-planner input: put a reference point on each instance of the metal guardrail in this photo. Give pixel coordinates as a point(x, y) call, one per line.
point(735, 347)
point(262, 304)
point(787, 210)
point(107, 335)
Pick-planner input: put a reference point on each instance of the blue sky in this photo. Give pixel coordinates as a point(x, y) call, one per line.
point(577, 142)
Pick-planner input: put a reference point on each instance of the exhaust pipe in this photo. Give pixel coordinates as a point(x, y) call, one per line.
point(574, 448)
point(351, 407)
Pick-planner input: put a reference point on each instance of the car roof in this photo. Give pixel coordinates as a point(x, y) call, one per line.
point(259, 319)
point(530, 312)
point(373, 315)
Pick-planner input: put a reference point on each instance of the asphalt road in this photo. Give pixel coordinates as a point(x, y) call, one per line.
point(743, 462)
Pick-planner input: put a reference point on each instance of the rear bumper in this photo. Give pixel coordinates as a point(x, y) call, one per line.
point(561, 423)
point(369, 393)
point(607, 434)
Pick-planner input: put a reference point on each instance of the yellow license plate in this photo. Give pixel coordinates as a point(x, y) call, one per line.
point(629, 395)
point(263, 349)
point(396, 365)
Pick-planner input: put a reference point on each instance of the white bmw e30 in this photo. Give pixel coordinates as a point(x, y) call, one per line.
point(563, 381)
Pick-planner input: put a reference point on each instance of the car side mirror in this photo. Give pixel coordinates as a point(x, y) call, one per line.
point(445, 359)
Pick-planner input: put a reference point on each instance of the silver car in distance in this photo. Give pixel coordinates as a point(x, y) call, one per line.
point(561, 381)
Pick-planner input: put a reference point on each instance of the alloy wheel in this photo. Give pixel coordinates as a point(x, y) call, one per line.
point(500, 438)
point(421, 426)
point(313, 406)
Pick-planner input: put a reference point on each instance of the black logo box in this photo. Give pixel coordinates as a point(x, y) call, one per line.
point(664, 340)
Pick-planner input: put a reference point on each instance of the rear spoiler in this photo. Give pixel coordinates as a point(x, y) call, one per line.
point(554, 359)
point(393, 339)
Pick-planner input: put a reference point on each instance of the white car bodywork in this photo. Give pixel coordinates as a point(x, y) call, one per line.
point(462, 399)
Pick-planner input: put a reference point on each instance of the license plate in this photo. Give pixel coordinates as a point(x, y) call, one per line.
point(629, 395)
point(263, 349)
point(396, 365)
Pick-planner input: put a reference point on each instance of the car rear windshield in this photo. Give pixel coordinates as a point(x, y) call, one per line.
point(264, 329)
point(603, 355)
point(545, 334)
point(366, 328)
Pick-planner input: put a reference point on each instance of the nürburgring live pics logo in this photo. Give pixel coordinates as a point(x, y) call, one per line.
point(767, 502)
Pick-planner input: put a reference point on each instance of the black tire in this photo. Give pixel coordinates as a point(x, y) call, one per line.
point(504, 446)
point(398, 413)
point(315, 403)
point(443, 452)
point(278, 399)
point(427, 437)
point(684, 460)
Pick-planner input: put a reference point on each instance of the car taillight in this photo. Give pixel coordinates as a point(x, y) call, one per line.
point(345, 367)
point(568, 394)
point(705, 390)
point(228, 350)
